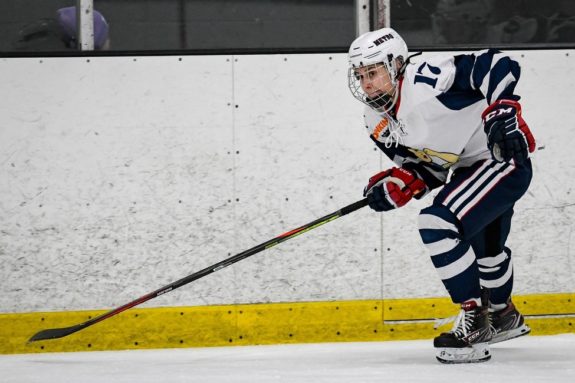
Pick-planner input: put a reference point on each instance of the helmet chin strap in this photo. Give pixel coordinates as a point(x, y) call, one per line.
point(407, 62)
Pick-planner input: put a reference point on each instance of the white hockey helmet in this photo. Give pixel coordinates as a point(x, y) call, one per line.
point(382, 47)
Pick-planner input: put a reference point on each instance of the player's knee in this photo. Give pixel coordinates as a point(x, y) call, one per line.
point(493, 264)
point(436, 223)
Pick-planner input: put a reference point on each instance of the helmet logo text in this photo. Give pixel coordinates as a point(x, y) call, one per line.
point(383, 39)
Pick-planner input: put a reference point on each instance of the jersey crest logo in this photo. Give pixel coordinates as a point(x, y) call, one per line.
point(443, 159)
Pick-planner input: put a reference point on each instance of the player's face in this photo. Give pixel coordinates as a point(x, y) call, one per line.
point(374, 80)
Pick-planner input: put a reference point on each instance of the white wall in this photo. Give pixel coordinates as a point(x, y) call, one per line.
point(120, 175)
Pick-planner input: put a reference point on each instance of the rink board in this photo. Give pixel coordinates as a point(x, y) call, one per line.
point(277, 323)
point(122, 174)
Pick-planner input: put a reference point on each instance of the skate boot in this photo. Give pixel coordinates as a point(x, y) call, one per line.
point(468, 340)
point(507, 324)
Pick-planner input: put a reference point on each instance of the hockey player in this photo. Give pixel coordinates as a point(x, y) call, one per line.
point(455, 115)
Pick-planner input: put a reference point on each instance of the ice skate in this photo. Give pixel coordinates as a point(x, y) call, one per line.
point(507, 324)
point(468, 340)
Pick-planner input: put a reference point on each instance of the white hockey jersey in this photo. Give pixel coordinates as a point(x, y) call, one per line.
point(437, 124)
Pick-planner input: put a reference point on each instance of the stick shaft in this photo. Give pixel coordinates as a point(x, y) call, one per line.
point(62, 332)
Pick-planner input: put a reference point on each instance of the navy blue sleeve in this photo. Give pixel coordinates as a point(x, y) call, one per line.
point(489, 75)
point(495, 75)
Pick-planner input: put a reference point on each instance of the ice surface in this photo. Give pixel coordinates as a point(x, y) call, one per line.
point(523, 360)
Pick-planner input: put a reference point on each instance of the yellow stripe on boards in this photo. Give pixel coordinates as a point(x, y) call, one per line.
point(273, 323)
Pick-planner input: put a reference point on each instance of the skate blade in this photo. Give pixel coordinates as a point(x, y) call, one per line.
point(475, 354)
point(511, 334)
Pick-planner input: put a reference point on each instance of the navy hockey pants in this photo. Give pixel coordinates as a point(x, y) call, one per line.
point(466, 227)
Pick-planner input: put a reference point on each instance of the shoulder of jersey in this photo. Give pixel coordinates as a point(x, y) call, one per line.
point(439, 70)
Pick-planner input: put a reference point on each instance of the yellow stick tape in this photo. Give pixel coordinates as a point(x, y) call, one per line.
point(274, 323)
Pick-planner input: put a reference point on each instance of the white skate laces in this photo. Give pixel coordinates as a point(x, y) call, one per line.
point(463, 322)
point(438, 322)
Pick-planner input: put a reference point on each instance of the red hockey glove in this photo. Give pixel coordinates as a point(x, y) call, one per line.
point(508, 136)
point(392, 188)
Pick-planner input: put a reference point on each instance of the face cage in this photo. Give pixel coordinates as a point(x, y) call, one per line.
point(382, 103)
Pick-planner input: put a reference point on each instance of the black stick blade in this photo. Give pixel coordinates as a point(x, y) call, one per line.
point(54, 333)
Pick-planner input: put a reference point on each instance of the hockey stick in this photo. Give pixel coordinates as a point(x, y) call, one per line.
point(54, 333)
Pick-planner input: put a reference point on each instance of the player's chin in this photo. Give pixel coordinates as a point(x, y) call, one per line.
point(374, 96)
